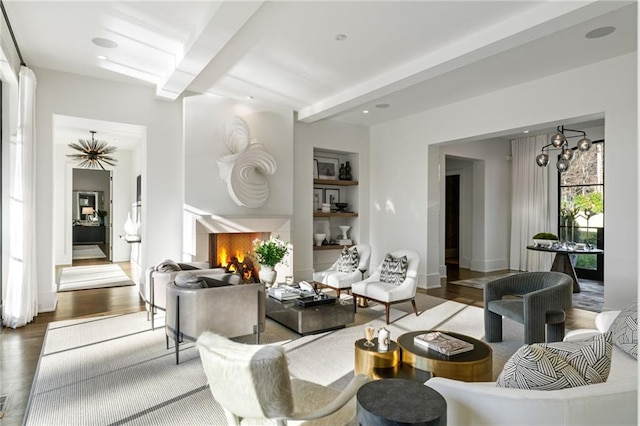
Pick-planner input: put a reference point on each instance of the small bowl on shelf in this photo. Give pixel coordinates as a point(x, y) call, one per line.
point(341, 206)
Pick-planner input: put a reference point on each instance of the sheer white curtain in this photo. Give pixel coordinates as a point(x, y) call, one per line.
point(530, 204)
point(21, 303)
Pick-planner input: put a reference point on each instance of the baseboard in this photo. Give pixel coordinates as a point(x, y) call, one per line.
point(489, 265)
point(47, 302)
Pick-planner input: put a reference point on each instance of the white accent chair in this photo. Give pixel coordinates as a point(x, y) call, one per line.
point(339, 281)
point(387, 294)
point(252, 382)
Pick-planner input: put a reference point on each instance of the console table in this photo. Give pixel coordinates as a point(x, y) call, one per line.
point(88, 234)
point(562, 262)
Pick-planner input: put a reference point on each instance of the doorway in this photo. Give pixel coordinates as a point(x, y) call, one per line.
point(452, 221)
point(91, 210)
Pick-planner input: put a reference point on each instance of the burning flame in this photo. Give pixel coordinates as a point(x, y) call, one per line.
point(225, 259)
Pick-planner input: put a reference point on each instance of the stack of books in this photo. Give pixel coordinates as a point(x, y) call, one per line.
point(286, 292)
point(442, 343)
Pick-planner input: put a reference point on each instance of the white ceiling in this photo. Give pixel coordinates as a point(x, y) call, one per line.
point(411, 55)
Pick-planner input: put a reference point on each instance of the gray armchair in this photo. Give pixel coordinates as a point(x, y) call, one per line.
point(232, 310)
point(541, 298)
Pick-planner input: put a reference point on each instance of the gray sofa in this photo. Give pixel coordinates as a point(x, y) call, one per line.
point(231, 310)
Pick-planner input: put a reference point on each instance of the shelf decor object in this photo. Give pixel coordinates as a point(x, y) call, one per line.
point(559, 142)
point(245, 170)
point(93, 153)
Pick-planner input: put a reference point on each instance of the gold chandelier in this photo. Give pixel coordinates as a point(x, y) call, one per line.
point(93, 153)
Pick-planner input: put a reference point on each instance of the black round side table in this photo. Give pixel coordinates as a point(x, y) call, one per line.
point(400, 402)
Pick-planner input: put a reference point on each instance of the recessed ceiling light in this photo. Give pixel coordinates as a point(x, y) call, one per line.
point(526, 131)
point(341, 37)
point(382, 106)
point(250, 97)
point(600, 32)
point(102, 57)
point(104, 42)
point(366, 111)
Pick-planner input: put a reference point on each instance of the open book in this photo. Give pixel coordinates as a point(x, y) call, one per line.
point(443, 343)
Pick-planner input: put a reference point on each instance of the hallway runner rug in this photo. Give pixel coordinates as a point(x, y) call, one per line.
point(91, 251)
point(94, 276)
point(115, 370)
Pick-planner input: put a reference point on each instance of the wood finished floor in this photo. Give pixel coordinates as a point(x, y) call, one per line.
point(20, 348)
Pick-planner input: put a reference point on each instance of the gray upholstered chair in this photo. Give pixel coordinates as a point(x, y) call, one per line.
point(252, 382)
point(339, 280)
point(540, 299)
point(379, 290)
point(227, 308)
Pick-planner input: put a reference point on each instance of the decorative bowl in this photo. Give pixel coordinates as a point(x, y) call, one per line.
point(543, 243)
point(341, 206)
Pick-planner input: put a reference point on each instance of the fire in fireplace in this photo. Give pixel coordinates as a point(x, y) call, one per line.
point(232, 252)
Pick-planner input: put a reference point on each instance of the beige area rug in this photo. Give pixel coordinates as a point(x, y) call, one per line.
point(115, 370)
point(93, 276)
point(90, 251)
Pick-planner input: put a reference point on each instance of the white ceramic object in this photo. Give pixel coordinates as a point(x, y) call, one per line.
point(245, 170)
point(344, 230)
point(131, 228)
point(267, 274)
point(544, 243)
point(319, 238)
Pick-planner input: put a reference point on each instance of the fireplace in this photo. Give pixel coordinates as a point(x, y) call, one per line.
point(232, 252)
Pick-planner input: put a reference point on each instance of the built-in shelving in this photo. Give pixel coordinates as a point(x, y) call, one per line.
point(335, 182)
point(318, 214)
point(330, 247)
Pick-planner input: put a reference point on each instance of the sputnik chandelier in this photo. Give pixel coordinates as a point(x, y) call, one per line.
point(93, 153)
point(559, 141)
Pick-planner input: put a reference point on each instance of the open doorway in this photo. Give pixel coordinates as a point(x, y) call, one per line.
point(91, 210)
point(452, 221)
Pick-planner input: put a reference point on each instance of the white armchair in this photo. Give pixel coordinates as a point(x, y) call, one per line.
point(373, 288)
point(252, 382)
point(338, 280)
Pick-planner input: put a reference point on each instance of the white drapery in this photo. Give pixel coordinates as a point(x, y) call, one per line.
point(21, 304)
point(530, 204)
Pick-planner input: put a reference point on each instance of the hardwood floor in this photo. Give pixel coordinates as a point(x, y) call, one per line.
point(20, 348)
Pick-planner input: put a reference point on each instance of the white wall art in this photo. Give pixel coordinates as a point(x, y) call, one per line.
point(245, 171)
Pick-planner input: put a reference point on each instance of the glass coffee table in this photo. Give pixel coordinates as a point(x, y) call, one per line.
point(473, 366)
point(311, 319)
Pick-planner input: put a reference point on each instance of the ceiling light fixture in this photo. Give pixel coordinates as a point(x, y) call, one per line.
point(366, 111)
point(104, 42)
point(559, 142)
point(103, 58)
point(250, 97)
point(526, 131)
point(341, 37)
point(600, 32)
point(93, 153)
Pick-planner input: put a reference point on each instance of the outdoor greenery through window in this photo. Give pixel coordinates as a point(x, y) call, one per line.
point(581, 216)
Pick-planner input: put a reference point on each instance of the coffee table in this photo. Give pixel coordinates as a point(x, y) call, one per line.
point(312, 319)
point(369, 358)
point(472, 366)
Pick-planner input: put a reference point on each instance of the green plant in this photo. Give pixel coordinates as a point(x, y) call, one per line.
point(270, 252)
point(545, 236)
point(101, 213)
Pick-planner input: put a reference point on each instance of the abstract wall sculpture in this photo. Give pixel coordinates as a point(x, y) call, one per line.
point(245, 170)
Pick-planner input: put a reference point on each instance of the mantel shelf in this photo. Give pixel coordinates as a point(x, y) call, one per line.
point(330, 247)
point(335, 182)
point(335, 214)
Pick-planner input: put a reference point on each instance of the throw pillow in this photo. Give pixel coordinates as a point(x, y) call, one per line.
point(590, 357)
point(625, 330)
point(551, 366)
point(167, 265)
point(187, 267)
point(188, 280)
point(394, 269)
point(534, 368)
point(349, 260)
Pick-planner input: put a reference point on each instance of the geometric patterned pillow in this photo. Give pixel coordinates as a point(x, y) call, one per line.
point(533, 368)
point(591, 357)
point(551, 366)
point(348, 260)
point(394, 269)
point(625, 330)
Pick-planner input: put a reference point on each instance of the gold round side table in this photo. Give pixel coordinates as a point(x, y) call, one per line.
point(369, 358)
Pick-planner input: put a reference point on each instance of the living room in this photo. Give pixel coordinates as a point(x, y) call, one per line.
point(398, 169)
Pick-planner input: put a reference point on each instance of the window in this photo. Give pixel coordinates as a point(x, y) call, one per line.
point(581, 215)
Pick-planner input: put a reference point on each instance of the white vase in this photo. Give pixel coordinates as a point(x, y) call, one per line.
point(130, 228)
point(267, 275)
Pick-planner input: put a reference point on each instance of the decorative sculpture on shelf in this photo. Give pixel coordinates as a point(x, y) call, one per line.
point(245, 170)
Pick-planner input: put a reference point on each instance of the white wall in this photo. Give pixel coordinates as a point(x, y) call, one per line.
point(608, 87)
point(330, 136)
point(488, 179)
point(161, 151)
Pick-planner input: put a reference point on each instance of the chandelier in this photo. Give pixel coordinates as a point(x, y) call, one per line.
point(560, 142)
point(93, 153)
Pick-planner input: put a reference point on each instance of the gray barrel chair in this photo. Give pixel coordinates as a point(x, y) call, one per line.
point(541, 298)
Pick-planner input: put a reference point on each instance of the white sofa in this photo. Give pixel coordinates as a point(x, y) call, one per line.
point(611, 403)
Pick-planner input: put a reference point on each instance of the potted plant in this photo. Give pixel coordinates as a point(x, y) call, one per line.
point(101, 215)
point(268, 254)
